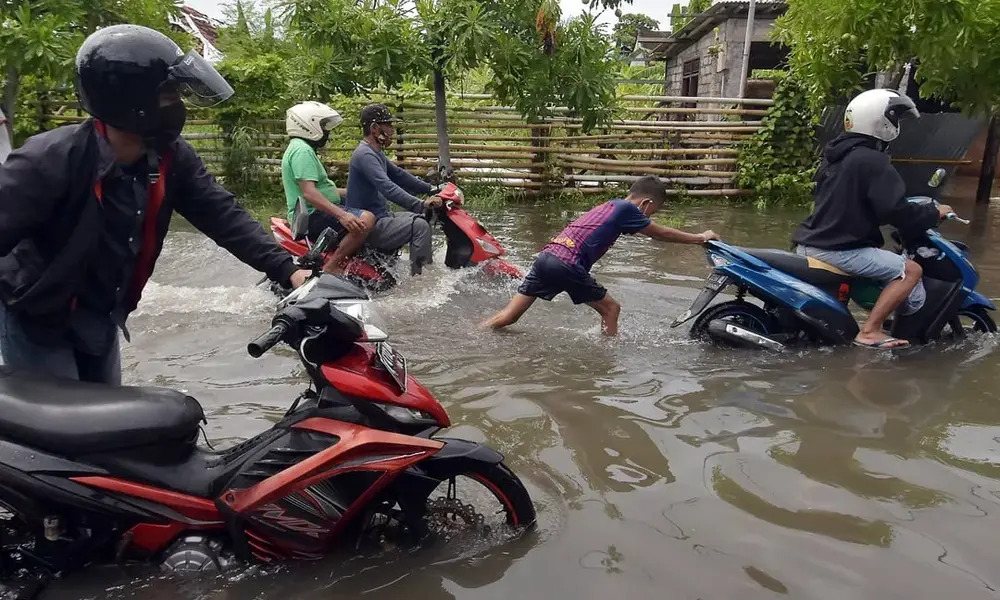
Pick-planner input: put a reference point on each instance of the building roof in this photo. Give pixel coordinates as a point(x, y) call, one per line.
point(203, 23)
point(664, 44)
point(202, 27)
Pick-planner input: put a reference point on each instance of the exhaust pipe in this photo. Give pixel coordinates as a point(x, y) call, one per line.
point(732, 333)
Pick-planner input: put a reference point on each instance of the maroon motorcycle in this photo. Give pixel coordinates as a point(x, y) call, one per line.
point(94, 473)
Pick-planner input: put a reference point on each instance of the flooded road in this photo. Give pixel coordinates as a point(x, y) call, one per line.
point(661, 468)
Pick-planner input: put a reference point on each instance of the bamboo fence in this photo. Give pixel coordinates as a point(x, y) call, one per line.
point(690, 143)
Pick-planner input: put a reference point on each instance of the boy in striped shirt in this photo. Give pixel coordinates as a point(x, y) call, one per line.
point(564, 264)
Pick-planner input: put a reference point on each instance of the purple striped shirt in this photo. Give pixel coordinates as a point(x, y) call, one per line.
point(584, 241)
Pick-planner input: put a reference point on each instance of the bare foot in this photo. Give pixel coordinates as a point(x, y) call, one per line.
point(879, 339)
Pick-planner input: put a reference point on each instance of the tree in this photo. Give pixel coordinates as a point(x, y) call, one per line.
point(628, 28)
point(350, 46)
point(952, 43)
point(833, 43)
point(41, 37)
point(681, 15)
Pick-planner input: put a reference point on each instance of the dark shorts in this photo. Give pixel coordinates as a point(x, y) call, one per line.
point(550, 276)
point(319, 221)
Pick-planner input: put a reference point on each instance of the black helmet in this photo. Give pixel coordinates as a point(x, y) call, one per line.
point(375, 113)
point(121, 71)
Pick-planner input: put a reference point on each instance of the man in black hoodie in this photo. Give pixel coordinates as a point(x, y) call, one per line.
point(858, 191)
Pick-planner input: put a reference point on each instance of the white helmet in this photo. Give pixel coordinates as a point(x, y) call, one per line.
point(310, 119)
point(877, 113)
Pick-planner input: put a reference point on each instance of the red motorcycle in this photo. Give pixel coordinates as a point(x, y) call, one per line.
point(468, 244)
point(95, 473)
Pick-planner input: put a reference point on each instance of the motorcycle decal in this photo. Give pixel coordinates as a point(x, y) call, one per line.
point(278, 517)
point(355, 442)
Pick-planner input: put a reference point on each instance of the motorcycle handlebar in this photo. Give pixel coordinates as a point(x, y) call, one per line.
point(953, 217)
point(265, 342)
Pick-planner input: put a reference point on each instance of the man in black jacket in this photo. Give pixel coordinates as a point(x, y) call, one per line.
point(84, 208)
point(857, 191)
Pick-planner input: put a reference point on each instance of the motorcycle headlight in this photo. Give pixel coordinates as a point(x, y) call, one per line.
point(364, 311)
point(488, 247)
point(717, 260)
point(409, 416)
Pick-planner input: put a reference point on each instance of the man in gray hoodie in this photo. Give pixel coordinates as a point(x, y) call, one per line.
point(372, 179)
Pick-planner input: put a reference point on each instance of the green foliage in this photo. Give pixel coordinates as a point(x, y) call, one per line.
point(579, 75)
point(628, 27)
point(682, 15)
point(40, 38)
point(344, 46)
point(779, 161)
point(833, 43)
point(333, 47)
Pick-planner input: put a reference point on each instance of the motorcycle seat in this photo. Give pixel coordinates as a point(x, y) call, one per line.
point(808, 269)
point(72, 417)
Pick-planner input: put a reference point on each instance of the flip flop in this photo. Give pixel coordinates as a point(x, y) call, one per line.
point(881, 345)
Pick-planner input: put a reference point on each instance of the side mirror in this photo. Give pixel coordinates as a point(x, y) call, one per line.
point(937, 178)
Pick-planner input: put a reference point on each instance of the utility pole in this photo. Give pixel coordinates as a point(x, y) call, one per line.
point(746, 48)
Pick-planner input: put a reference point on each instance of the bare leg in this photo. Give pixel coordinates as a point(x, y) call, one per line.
point(892, 296)
point(518, 305)
point(349, 245)
point(609, 309)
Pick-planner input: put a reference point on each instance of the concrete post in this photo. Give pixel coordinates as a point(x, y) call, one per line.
point(746, 48)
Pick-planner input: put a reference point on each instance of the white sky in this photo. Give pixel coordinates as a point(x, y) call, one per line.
point(658, 9)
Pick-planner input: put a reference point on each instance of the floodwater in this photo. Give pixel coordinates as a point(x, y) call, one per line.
point(661, 468)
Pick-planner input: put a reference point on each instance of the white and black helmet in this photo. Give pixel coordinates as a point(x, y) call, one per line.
point(310, 120)
point(877, 113)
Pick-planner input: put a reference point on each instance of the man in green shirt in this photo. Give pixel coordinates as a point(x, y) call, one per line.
point(304, 178)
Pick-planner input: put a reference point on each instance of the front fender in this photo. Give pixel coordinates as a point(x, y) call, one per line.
point(454, 458)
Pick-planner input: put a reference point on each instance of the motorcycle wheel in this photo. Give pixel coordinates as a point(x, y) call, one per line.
point(975, 319)
point(739, 312)
point(462, 498)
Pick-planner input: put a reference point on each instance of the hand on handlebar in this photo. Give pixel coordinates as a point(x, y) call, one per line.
point(709, 235)
point(944, 210)
point(299, 277)
point(433, 202)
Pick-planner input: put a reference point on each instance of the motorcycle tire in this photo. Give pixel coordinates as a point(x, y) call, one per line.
point(743, 313)
point(506, 487)
point(982, 321)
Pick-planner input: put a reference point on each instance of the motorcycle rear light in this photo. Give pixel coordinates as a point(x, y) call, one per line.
point(717, 260)
point(488, 247)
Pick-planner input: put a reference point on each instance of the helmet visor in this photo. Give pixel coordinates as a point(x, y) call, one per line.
point(198, 81)
point(330, 122)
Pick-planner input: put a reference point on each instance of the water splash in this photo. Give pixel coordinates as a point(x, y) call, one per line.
point(159, 299)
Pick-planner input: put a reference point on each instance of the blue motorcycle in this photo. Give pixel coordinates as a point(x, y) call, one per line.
point(804, 300)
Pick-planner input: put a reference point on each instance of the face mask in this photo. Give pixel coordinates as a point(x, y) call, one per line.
point(172, 118)
point(317, 144)
point(646, 208)
point(383, 138)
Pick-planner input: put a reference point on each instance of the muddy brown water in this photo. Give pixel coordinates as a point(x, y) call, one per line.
point(661, 468)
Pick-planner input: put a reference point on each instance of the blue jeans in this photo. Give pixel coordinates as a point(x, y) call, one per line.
point(871, 263)
point(21, 353)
